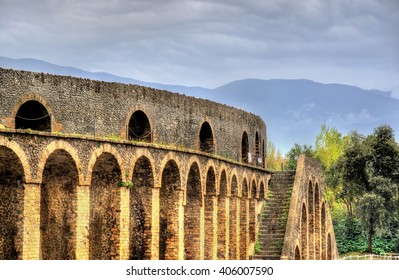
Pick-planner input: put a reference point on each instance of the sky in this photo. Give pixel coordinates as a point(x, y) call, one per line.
point(210, 43)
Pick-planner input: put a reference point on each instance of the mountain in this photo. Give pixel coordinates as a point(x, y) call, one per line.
point(292, 109)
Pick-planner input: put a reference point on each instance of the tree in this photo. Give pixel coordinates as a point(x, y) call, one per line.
point(294, 152)
point(367, 168)
point(274, 159)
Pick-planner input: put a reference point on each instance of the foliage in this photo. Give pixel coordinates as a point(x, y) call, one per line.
point(257, 247)
point(294, 152)
point(350, 238)
point(274, 159)
point(367, 168)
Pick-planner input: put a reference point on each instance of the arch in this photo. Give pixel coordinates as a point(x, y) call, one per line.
point(139, 127)
point(15, 148)
point(257, 149)
point(51, 148)
point(141, 209)
point(252, 212)
point(317, 228)
point(104, 227)
point(311, 221)
point(262, 192)
point(206, 141)
point(169, 201)
point(12, 176)
point(304, 232)
point(244, 147)
point(234, 220)
point(108, 149)
point(297, 253)
point(33, 115)
point(221, 252)
point(58, 208)
point(244, 219)
point(263, 154)
point(209, 213)
point(192, 217)
point(323, 232)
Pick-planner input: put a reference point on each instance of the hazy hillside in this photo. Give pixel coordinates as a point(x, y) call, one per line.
point(292, 109)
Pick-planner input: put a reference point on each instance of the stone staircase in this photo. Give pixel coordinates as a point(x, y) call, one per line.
point(274, 216)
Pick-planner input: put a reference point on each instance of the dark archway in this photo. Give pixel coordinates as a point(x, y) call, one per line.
point(257, 149)
point(11, 205)
point(234, 221)
point(317, 229)
point(304, 233)
point(297, 253)
point(192, 217)
point(206, 138)
point(169, 212)
point(311, 222)
point(262, 191)
point(252, 214)
point(141, 210)
point(244, 147)
point(58, 204)
point(104, 225)
point(323, 232)
point(139, 127)
point(244, 221)
point(209, 207)
point(33, 115)
point(221, 236)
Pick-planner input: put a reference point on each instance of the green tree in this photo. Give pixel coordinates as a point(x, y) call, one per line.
point(367, 168)
point(294, 152)
point(274, 159)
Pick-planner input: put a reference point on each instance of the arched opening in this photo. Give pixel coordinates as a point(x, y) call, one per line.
point(252, 214)
point(11, 205)
point(169, 212)
point(304, 233)
point(234, 221)
point(329, 247)
point(262, 191)
point(244, 220)
point(323, 232)
point(221, 235)
point(297, 253)
point(206, 138)
point(104, 224)
point(33, 115)
point(263, 153)
point(257, 149)
point(58, 198)
point(317, 221)
point(141, 210)
point(210, 204)
point(311, 222)
point(244, 147)
point(192, 217)
point(139, 128)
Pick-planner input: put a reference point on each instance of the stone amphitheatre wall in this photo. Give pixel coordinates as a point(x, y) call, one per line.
point(89, 107)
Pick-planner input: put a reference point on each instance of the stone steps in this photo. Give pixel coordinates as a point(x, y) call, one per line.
point(274, 216)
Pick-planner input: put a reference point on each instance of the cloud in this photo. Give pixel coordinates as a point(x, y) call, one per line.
point(204, 42)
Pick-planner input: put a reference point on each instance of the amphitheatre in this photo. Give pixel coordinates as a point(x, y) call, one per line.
point(100, 170)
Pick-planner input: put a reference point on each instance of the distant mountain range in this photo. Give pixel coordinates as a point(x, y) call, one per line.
point(292, 109)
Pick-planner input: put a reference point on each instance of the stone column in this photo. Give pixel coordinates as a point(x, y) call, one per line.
point(124, 223)
point(31, 233)
point(82, 222)
point(155, 224)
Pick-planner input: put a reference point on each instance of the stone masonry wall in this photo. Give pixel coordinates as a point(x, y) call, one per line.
point(84, 106)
